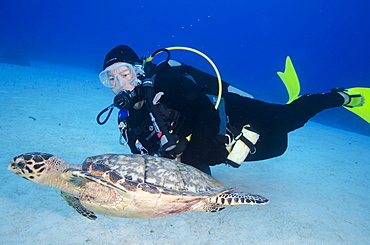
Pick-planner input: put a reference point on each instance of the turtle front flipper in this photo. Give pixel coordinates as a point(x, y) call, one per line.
point(79, 178)
point(75, 203)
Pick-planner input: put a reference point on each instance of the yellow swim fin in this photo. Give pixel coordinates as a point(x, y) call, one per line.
point(290, 79)
point(362, 107)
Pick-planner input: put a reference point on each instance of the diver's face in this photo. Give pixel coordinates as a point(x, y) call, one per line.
point(121, 78)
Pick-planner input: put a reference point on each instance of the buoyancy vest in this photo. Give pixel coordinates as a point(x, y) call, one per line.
point(140, 138)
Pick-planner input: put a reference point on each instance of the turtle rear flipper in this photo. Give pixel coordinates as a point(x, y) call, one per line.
point(211, 208)
point(75, 203)
point(234, 198)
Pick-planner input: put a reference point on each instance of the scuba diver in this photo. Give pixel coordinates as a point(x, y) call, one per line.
point(169, 110)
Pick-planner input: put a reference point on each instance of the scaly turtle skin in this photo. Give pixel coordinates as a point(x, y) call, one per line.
point(129, 186)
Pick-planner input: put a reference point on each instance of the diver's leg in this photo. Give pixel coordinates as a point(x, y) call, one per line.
point(273, 121)
point(199, 165)
point(306, 107)
point(269, 146)
point(271, 118)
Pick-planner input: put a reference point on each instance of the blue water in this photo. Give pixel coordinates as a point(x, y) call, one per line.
point(248, 40)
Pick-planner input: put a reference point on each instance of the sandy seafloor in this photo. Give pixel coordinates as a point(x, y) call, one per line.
point(319, 189)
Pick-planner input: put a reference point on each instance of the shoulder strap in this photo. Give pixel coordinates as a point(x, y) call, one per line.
point(221, 112)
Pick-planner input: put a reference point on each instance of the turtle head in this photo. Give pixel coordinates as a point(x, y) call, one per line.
point(35, 167)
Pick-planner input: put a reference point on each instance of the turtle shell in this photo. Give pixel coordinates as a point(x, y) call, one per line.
point(166, 174)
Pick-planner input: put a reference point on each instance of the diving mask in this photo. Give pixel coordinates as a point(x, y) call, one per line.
point(118, 75)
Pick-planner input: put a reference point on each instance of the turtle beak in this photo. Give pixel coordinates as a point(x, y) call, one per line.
point(15, 166)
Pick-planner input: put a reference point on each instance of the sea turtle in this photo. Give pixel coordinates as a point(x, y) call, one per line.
point(129, 185)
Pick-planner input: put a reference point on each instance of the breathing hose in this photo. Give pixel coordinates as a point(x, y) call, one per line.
point(219, 95)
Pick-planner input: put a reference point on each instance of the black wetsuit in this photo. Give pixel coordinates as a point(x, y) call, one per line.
point(201, 120)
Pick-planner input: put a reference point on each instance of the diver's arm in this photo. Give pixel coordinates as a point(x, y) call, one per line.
point(184, 96)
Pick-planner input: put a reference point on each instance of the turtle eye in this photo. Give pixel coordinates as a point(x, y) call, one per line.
point(19, 165)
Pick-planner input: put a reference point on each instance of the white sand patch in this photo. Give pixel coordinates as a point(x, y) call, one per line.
point(318, 189)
